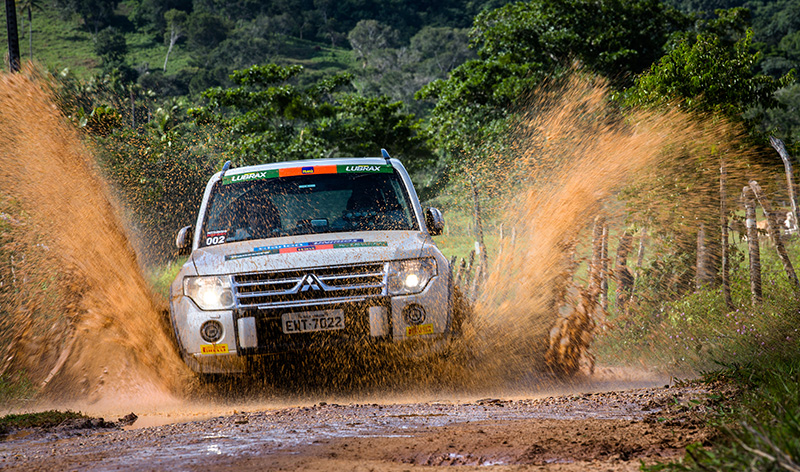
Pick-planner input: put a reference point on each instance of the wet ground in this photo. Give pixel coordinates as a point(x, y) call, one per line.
point(606, 431)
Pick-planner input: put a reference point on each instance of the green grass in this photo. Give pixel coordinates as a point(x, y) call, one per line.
point(161, 277)
point(60, 43)
point(44, 419)
point(692, 332)
point(16, 390)
point(762, 432)
point(458, 238)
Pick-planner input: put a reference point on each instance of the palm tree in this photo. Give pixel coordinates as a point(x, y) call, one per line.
point(13, 41)
point(28, 6)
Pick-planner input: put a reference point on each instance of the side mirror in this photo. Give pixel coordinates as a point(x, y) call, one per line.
point(184, 240)
point(435, 221)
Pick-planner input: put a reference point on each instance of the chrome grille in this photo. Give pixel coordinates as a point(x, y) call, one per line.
point(318, 286)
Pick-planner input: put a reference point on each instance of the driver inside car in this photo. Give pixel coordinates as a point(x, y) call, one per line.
point(254, 218)
point(262, 218)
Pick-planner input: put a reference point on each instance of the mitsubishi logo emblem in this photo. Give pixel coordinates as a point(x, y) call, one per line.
point(310, 282)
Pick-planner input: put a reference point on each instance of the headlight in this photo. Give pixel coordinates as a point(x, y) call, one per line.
point(209, 293)
point(410, 276)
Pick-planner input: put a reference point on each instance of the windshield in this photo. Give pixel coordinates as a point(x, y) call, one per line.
point(264, 205)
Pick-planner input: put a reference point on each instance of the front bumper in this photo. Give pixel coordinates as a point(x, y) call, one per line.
point(369, 321)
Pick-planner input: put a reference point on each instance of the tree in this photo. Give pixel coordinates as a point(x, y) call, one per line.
point(784, 121)
point(709, 75)
point(97, 13)
point(370, 36)
point(775, 26)
point(28, 6)
point(441, 49)
point(265, 118)
point(161, 173)
point(176, 21)
point(206, 30)
point(111, 46)
point(520, 44)
point(150, 14)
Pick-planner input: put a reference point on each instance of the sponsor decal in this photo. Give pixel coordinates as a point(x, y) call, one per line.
point(365, 169)
point(313, 243)
point(302, 247)
point(295, 171)
point(214, 349)
point(419, 330)
point(307, 170)
point(216, 237)
point(264, 174)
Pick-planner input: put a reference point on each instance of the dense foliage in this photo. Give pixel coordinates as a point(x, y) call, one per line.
point(265, 117)
point(522, 43)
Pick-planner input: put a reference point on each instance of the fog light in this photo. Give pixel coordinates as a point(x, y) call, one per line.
point(414, 314)
point(211, 331)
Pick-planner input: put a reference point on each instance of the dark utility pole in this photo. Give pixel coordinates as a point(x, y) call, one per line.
point(13, 38)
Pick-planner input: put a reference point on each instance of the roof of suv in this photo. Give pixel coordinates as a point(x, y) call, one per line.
point(313, 162)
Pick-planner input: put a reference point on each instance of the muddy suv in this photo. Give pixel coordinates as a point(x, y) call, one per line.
point(295, 256)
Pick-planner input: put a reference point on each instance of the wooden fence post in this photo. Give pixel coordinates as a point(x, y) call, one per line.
point(596, 266)
point(604, 268)
point(639, 263)
point(623, 273)
point(775, 234)
point(752, 243)
point(640, 252)
point(483, 259)
point(702, 265)
point(723, 220)
point(468, 275)
point(787, 164)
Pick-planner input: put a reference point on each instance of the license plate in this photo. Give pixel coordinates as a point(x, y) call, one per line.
point(309, 321)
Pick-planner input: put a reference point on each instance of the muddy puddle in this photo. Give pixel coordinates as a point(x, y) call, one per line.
point(230, 398)
point(614, 429)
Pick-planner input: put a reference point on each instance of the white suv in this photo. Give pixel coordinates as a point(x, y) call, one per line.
point(299, 255)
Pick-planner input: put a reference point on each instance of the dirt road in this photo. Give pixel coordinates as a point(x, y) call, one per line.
point(606, 431)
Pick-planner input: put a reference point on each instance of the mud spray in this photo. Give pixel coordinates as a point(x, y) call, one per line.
point(568, 159)
point(106, 347)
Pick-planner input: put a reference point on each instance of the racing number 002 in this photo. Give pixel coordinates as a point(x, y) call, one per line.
point(212, 240)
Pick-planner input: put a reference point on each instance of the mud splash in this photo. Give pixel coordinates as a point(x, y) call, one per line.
point(93, 333)
point(568, 161)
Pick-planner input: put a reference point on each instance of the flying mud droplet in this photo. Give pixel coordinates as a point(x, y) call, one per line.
point(92, 332)
point(568, 159)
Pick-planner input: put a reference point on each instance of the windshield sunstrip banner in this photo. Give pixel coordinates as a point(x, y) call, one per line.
point(300, 247)
point(308, 170)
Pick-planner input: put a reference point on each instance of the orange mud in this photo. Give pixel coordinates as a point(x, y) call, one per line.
point(113, 349)
point(108, 350)
point(569, 159)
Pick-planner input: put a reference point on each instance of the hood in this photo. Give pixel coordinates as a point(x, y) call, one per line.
point(311, 250)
